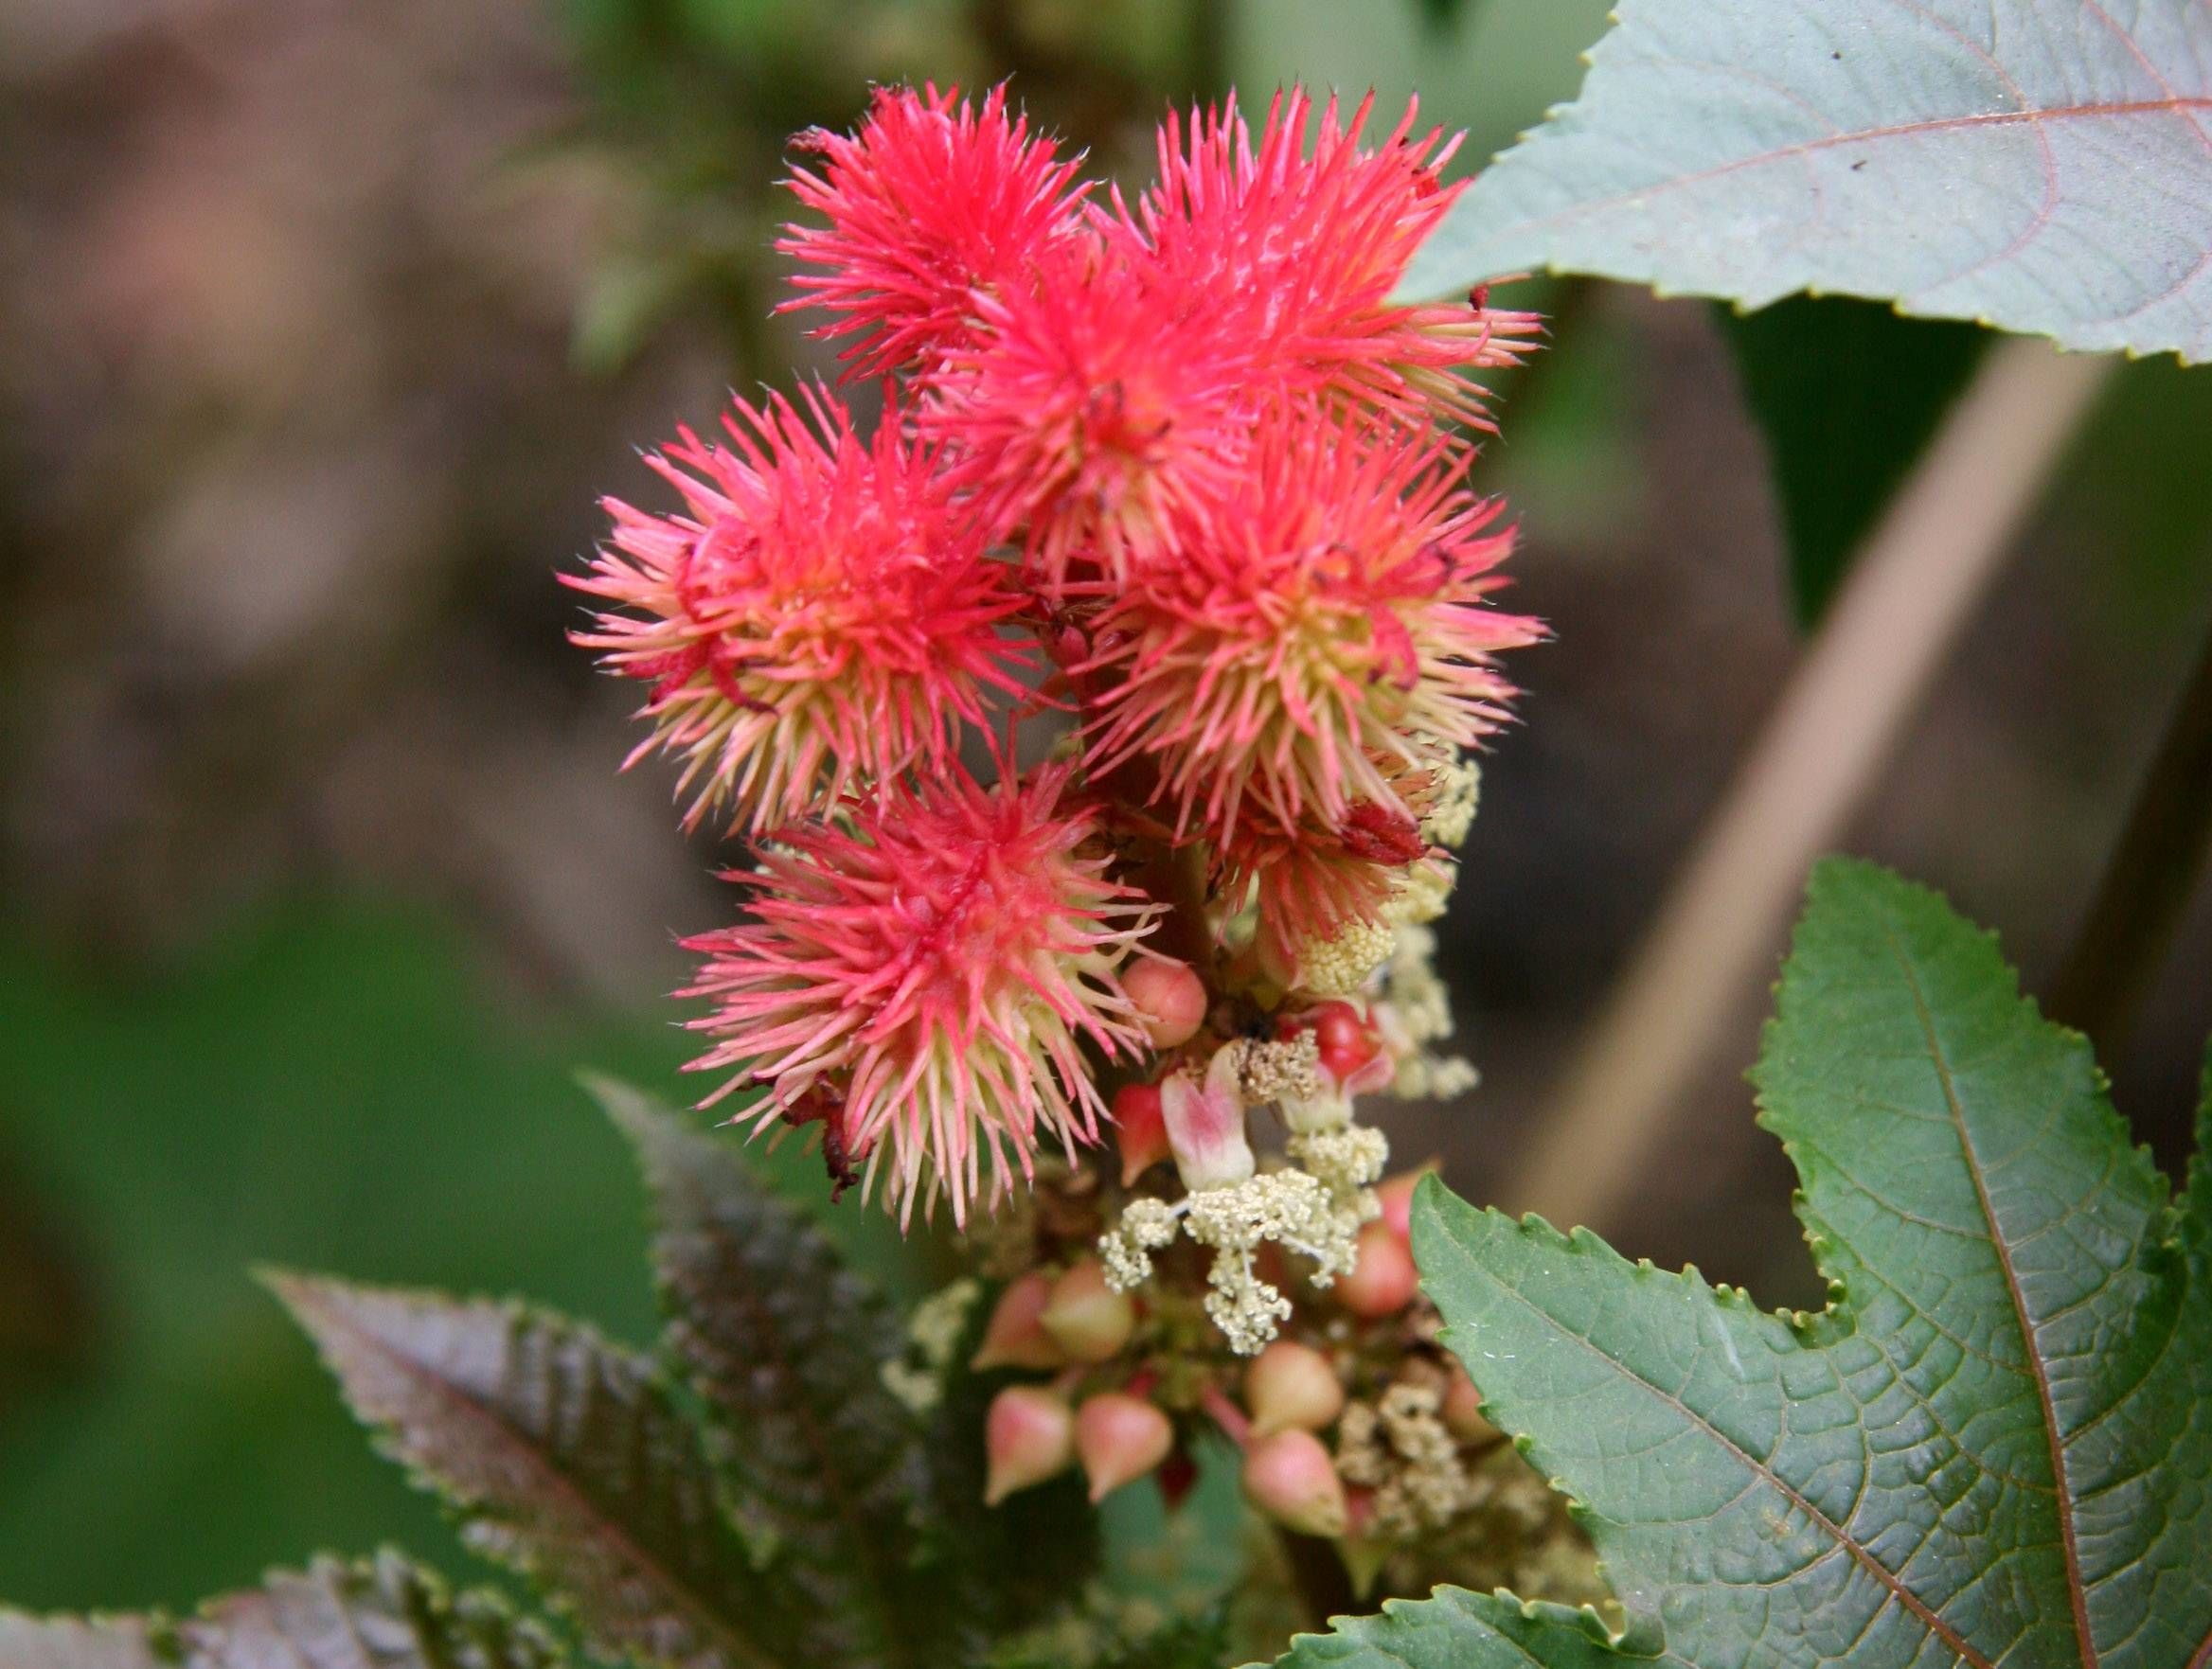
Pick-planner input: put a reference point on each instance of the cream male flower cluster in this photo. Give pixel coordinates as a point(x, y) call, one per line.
point(1170, 494)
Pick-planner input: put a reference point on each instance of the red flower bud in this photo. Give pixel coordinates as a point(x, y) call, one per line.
point(1029, 1436)
point(1463, 1414)
point(1383, 1279)
point(1290, 1479)
point(1350, 1047)
point(1139, 1129)
point(1291, 1386)
point(1119, 1439)
point(1015, 1337)
point(1086, 1318)
point(1170, 998)
point(1396, 1193)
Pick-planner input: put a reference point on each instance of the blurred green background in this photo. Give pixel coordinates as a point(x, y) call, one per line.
point(321, 329)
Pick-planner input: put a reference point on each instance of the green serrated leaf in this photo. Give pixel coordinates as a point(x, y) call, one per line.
point(384, 1612)
point(1993, 1448)
point(788, 1346)
point(1848, 393)
point(2043, 166)
point(564, 1458)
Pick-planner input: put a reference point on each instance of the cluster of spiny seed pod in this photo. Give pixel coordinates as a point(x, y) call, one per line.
point(1096, 724)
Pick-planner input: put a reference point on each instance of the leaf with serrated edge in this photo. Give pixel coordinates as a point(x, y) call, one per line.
point(2041, 165)
point(1995, 1446)
point(787, 1346)
point(379, 1614)
point(564, 1458)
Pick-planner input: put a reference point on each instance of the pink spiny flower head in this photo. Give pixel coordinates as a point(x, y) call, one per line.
point(822, 613)
point(1311, 243)
point(1318, 627)
point(1089, 410)
point(932, 203)
point(929, 966)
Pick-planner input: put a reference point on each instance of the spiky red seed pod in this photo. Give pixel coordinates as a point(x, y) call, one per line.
point(1308, 242)
point(931, 206)
point(935, 963)
point(1089, 411)
point(1119, 1438)
point(823, 613)
point(1321, 632)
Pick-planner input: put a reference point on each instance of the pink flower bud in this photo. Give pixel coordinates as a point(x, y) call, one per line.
point(1029, 1436)
point(1119, 1439)
point(1290, 1479)
point(1170, 998)
point(1086, 1318)
point(1015, 1337)
point(1205, 1126)
point(1139, 1129)
point(1353, 1055)
point(1291, 1386)
point(1383, 1279)
point(1463, 1414)
point(1396, 1194)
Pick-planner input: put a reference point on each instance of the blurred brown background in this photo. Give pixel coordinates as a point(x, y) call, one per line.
point(321, 328)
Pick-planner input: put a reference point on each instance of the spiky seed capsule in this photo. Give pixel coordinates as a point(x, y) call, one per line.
point(821, 616)
point(931, 966)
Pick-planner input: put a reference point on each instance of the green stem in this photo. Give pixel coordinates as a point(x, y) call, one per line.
point(2148, 880)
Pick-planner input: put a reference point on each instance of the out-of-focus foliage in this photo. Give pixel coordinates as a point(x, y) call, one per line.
point(328, 1086)
point(1848, 393)
point(332, 1615)
point(699, 97)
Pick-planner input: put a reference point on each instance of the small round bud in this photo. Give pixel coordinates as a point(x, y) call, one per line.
point(1086, 1318)
point(1029, 1436)
point(1015, 1337)
point(1463, 1415)
point(1350, 1047)
point(1140, 1129)
point(1290, 1479)
point(1170, 998)
point(1395, 1195)
point(1383, 1279)
point(1119, 1438)
point(1291, 1386)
